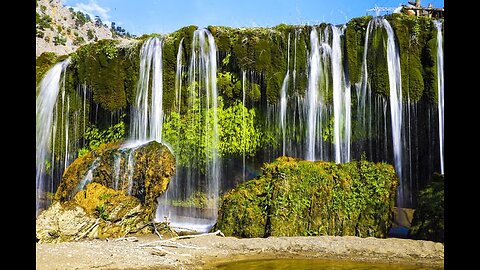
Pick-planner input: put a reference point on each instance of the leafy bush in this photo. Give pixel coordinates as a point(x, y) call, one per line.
point(186, 133)
point(59, 40)
point(428, 219)
point(94, 137)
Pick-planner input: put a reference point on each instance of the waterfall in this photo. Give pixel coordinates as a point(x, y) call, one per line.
point(178, 77)
point(438, 25)
point(147, 115)
point(395, 82)
point(366, 100)
point(45, 106)
point(244, 78)
point(312, 93)
point(283, 100)
point(318, 88)
point(188, 179)
point(341, 101)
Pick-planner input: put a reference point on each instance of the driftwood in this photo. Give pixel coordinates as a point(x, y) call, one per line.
point(89, 229)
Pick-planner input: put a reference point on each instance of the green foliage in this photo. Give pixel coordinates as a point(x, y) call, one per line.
point(100, 212)
point(80, 18)
point(198, 200)
point(78, 41)
point(43, 63)
point(39, 33)
point(43, 22)
point(229, 85)
point(428, 218)
point(90, 34)
point(102, 65)
point(354, 43)
point(413, 36)
point(327, 130)
point(95, 137)
point(109, 48)
point(59, 40)
point(296, 197)
point(237, 131)
point(186, 133)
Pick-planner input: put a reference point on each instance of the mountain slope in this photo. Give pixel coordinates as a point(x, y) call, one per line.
point(62, 30)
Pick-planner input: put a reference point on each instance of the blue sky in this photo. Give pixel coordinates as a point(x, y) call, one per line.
point(164, 16)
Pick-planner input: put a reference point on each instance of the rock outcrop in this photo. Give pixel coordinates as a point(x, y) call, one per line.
point(108, 192)
point(294, 197)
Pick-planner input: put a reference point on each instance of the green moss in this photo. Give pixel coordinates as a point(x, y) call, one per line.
point(43, 63)
point(354, 46)
point(101, 66)
point(377, 62)
point(297, 197)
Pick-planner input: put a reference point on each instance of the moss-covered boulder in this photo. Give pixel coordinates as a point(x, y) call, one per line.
point(428, 219)
point(297, 197)
point(95, 212)
point(143, 172)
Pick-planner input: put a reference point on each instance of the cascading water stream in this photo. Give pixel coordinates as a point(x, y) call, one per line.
point(188, 179)
point(283, 100)
point(395, 82)
point(341, 101)
point(147, 114)
point(45, 104)
point(312, 94)
point(438, 25)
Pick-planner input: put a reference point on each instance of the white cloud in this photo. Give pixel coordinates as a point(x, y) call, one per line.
point(93, 9)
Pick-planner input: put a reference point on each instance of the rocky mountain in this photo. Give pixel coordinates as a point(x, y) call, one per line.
point(62, 30)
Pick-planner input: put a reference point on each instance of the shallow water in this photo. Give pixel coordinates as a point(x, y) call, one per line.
point(311, 264)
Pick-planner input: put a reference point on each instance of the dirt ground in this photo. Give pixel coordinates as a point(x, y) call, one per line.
point(146, 252)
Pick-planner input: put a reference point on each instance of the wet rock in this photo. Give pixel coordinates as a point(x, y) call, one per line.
point(109, 192)
point(143, 172)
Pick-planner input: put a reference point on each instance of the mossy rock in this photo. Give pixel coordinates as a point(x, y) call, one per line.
point(428, 220)
point(294, 197)
point(154, 165)
point(95, 212)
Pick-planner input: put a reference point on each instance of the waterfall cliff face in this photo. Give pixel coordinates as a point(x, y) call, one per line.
point(310, 100)
point(45, 105)
point(189, 181)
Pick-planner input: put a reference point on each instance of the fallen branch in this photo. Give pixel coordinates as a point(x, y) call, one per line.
point(129, 239)
point(89, 229)
point(156, 231)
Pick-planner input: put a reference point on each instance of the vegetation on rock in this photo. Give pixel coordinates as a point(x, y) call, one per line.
point(428, 220)
point(153, 167)
point(296, 197)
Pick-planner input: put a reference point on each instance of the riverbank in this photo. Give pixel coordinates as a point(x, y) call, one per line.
point(146, 252)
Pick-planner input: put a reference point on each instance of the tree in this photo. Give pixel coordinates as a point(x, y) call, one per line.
point(98, 21)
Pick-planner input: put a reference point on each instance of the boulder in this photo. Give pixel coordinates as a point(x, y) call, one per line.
point(108, 192)
point(294, 197)
point(95, 212)
point(143, 172)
